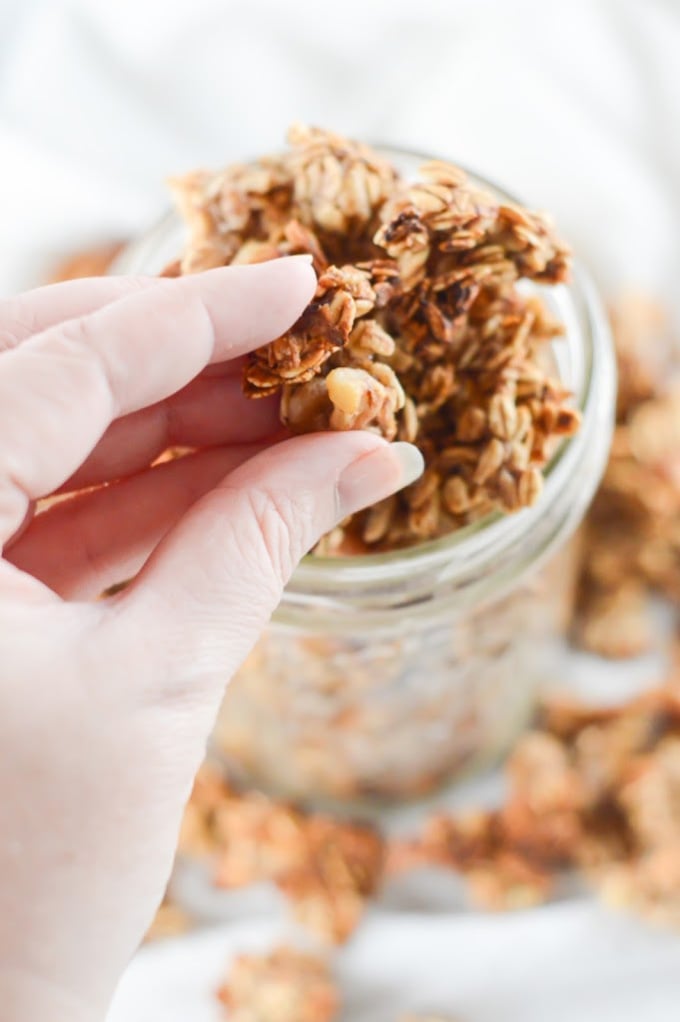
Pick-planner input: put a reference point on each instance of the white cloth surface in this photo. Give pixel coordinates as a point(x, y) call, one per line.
point(575, 107)
point(564, 963)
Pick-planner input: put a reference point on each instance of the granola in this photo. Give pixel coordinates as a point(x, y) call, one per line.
point(171, 920)
point(88, 262)
point(632, 535)
point(596, 791)
point(418, 329)
point(284, 985)
point(327, 869)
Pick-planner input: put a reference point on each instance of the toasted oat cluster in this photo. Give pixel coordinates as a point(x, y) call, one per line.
point(284, 985)
point(327, 869)
point(594, 790)
point(633, 530)
point(418, 329)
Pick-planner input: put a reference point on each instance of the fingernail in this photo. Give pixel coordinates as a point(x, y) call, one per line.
point(377, 475)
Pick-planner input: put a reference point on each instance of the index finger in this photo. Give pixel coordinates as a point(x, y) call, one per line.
point(30, 313)
point(61, 389)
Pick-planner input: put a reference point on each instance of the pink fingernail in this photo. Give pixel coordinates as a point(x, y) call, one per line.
point(376, 475)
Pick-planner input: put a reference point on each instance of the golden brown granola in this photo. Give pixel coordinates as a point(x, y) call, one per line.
point(170, 921)
point(328, 869)
point(632, 535)
point(284, 985)
point(592, 790)
point(89, 262)
point(417, 330)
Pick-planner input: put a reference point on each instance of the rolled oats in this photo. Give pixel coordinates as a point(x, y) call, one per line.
point(417, 329)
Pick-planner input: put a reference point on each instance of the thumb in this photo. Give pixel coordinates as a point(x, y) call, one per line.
point(212, 585)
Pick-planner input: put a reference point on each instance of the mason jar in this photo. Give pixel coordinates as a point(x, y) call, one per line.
point(384, 676)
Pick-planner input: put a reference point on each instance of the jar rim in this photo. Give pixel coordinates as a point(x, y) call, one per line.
point(586, 342)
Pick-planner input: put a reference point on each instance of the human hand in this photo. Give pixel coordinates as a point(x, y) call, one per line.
point(105, 706)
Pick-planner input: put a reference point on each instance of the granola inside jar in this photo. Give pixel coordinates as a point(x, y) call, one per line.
point(387, 672)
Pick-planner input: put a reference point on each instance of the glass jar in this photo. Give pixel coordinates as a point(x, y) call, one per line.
point(383, 676)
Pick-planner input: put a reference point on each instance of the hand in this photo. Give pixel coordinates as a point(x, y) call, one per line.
point(106, 705)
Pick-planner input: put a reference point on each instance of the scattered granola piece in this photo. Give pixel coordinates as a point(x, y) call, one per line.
point(632, 534)
point(328, 869)
point(170, 921)
point(284, 985)
point(90, 262)
point(339, 872)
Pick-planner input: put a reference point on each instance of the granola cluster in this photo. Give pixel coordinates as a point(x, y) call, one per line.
point(418, 329)
point(283, 985)
point(286, 985)
point(632, 537)
point(327, 869)
point(593, 790)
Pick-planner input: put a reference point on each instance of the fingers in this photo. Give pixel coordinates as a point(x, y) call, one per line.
point(81, 546)
point(209, 412)
point(213, 583)
point(34, 311)
point(60, 390)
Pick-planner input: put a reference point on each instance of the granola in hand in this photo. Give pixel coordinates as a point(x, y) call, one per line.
point(418, 329)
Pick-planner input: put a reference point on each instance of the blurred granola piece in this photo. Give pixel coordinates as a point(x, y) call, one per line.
point(198, 834)
point(328, 869)
point(632, 534)
point(284, 985)
point(340, 871)
point(170, 921)
point(508, 882)
point(221, 211)
point(618, 623)
point(90, 262)
point(593, 790)
point(643, 350)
